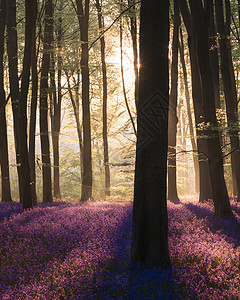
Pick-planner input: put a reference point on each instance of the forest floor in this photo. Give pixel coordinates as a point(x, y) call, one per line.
point(81, 251)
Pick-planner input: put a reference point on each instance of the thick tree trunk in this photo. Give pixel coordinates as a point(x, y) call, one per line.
point(4, 161)
point(204, 173)
point(33, 116)
point(83, 18)
point(220, 195)
point(172, 129)
point(150, 219)
point(104, 74)
point(44, 134)
point(229, 85)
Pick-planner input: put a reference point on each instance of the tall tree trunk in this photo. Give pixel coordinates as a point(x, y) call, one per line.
point(55, 110)
point(4, 161)
point(204, 172)
point(220, 196)
point(44, 134)
point(172, 129)
point(104, 74)
point(239, 12)
point(56, 97)
point(76, 114)
point(150, 219)
point(133, 30)
point(189, 113)
point(213, 55)
point(229, 85)
point(33, 116)
point(30, 20)
point(12, 49)
point(83, 19)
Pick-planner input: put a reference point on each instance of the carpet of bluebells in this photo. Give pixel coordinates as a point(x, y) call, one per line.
point(81, 251)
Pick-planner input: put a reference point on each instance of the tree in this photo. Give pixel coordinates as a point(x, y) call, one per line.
point(44, 134)
point(150, 219)
point(200, 15)
point(229, 85)
point(30, 20)
point(56, 100)
point(122, 72)
point(172, 129)
point(189, 113)
point(133, 30)
point(33, 117)
point(4, 161)
point(104, 74)
point(213, 55)
point(204, 173)
point(12, 50)
point(83, 20)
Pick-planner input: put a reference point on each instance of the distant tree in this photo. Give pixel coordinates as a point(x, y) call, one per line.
point(173, 120)
point(56, 101)
point(189, 112)
point(150, 219)
point(134, 35)
point(105, 123)
point(44, 89)
point(200, 15)
point(33, 118)
point(4, 161)
point(122, 71)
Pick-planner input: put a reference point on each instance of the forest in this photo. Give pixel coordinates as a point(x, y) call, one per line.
point(119, 149)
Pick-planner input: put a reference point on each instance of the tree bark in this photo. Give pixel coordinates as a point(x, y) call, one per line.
point(4, 161)
point(104, 74)
point(33, 117)
point(200, 17)
point(204, 173)
point(76, 114)
point(12, 50)
point(213, 55)
point(150, 219)
point(83, 19)
point(55, 109)
point(229, 85)
point(44, 134)
point(31, 15)
point(173, 120)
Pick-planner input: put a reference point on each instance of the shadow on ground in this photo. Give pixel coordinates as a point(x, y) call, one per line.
point(124, 281)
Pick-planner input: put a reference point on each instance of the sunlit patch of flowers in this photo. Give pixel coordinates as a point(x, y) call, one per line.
point(60, 252)
point(81, 251)
point(205, 251)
